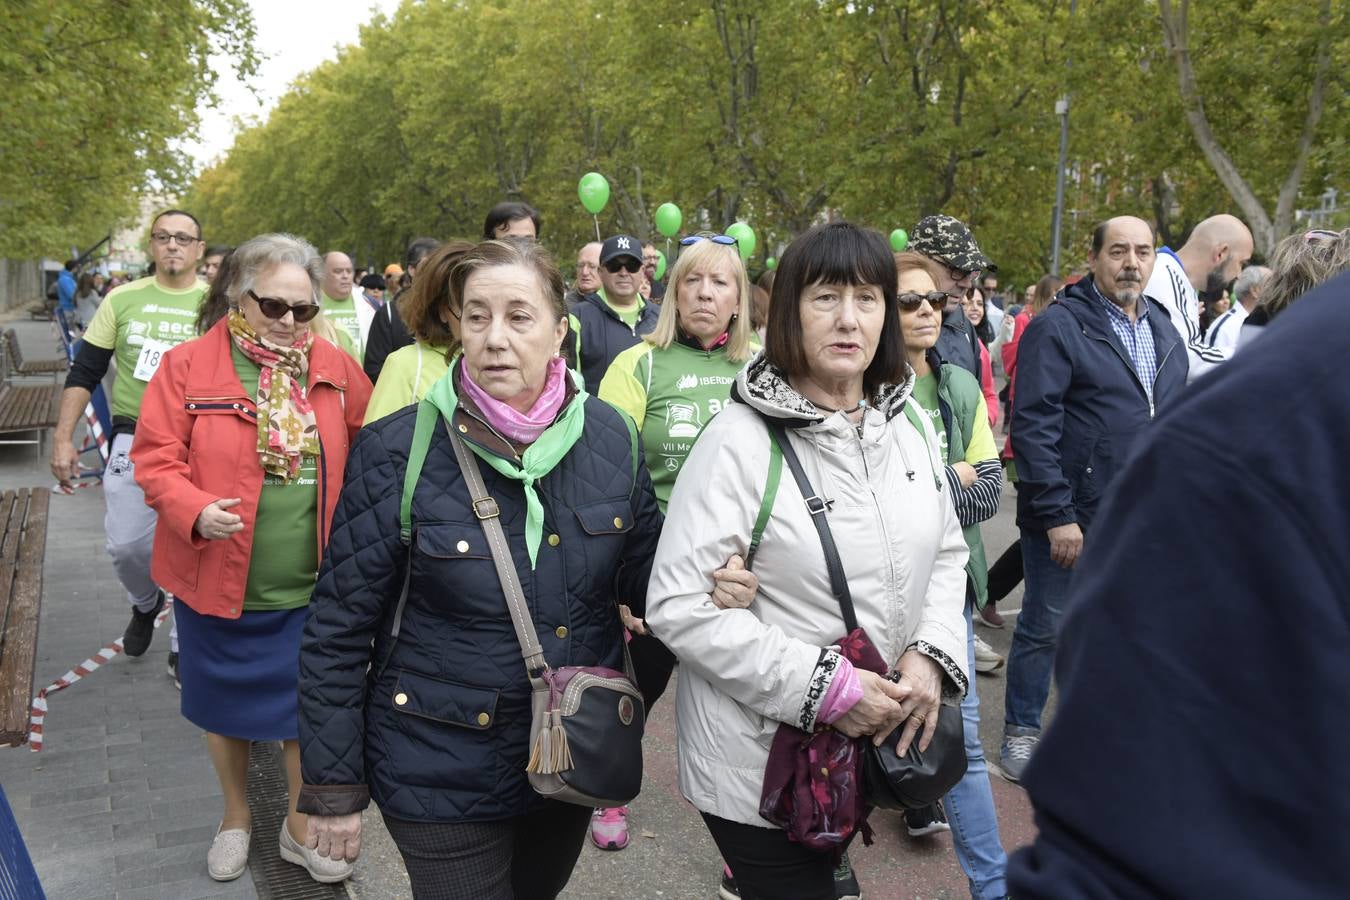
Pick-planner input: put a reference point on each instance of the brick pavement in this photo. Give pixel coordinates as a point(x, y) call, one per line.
point(123, 801)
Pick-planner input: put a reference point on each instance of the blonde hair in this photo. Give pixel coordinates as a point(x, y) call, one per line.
point(691, 257)
point(1300, 263)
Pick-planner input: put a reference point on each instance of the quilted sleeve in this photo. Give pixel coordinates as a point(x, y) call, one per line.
point(630, 584)
point(361, 576)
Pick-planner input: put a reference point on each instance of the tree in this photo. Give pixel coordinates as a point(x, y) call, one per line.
point(1313, 52)
point(93, 98)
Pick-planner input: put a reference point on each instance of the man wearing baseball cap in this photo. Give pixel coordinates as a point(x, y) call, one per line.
point(949, 242)
point(614, 317)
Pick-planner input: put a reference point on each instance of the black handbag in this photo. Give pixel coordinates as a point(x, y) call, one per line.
point(919, 778)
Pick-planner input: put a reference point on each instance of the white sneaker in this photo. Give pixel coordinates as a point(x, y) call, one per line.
point(987, 659)
point(320, 868)
point(228, 857)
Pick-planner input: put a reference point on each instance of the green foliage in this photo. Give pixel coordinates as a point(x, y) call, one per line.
point(780, 114)
point(93, 95)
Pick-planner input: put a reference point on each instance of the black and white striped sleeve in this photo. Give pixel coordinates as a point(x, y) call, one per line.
point(979, 501)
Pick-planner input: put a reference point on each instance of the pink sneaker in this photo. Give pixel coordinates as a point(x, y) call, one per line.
point(609, 828)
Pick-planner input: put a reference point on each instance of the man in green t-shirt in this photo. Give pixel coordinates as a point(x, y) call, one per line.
point(136, 324)
point(345, 310)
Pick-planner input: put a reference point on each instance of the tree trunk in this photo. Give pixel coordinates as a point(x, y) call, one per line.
point(1265, 232)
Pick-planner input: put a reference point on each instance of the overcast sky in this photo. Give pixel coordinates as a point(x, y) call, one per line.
point(294, 36)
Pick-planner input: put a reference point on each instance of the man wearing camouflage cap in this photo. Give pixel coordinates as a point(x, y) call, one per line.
point(949, 242)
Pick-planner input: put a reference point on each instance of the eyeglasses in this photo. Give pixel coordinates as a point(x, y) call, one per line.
point(1320, 234)
point(277, 309)
point(909, 301)
point(180, 238)
point(961, 274)
point(627, 264)
point(724, 239)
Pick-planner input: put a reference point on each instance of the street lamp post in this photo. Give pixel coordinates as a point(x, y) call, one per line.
point(1061, 110)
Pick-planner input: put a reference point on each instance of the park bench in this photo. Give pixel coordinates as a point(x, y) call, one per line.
point(23, 544)
point(20, 366)
point(25, 407)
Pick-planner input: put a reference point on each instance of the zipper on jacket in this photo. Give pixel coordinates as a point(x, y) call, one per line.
point(1129, 367)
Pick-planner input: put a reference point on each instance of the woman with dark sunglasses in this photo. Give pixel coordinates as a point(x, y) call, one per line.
point(240, 448)
point(954, 402)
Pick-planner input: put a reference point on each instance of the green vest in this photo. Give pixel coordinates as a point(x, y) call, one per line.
point(961, 402)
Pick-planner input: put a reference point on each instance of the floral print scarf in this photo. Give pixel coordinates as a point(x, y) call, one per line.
point(287, 430)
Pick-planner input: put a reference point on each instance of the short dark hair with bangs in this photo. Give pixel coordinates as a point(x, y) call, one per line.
point(835, 253)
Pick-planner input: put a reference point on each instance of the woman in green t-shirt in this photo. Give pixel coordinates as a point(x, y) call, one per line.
point(952, 397)
point(409, 372)
point(671, 384)
point(679, 377)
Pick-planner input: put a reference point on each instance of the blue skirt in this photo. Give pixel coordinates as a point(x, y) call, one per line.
point(241, 676)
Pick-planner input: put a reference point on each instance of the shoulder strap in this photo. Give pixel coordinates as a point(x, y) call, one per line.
point(489, 516)
point(816, 506)
point(919, 419)
point(417, 455)
point(766, 504)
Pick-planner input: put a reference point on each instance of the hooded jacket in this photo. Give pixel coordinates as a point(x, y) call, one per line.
point(1080, 407)
point(745, 671)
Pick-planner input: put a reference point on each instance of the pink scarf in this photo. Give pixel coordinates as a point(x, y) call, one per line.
point(521, 427)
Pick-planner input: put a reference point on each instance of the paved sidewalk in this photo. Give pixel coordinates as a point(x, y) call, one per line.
point(123, 801)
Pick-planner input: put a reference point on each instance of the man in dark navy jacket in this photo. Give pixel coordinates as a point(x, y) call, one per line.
point(1197, 754)
point(1093, 369)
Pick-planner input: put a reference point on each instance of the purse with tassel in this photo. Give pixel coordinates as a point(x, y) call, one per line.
point(587, 721)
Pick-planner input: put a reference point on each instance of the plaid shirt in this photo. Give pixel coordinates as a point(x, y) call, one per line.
point(1137, 338)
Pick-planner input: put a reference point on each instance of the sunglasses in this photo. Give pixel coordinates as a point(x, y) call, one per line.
point(276, 309)
point(724, 239)
point(909, 302)
point(627, 264)
point(1319, 234)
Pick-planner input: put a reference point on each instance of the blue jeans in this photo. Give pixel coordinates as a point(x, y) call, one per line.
point(970, 805)
point(1032, 658)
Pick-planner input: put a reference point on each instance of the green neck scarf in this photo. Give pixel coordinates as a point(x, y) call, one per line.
point(539, 458)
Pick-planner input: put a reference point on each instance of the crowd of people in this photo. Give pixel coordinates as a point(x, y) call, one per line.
point(311, 459)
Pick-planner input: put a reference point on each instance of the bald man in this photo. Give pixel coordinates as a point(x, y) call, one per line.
point(1211, 260)
point(1093, 369)
point(349, 311)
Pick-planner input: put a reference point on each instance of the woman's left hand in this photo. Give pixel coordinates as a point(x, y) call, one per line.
point(630, 621)
point(734, 586)
point(921, 677)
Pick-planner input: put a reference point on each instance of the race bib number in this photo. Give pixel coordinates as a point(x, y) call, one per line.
point(152, 352)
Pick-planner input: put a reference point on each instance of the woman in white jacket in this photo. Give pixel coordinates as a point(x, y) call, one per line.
point(834, 374)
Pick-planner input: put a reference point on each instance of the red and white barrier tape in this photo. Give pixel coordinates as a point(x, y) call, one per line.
point(38, 713)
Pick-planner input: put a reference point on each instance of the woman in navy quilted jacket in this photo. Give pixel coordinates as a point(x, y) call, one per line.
point(434, 724)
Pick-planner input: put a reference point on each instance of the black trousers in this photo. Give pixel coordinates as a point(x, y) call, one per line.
point(529, 857)
point(767, 866)
point(652, 664)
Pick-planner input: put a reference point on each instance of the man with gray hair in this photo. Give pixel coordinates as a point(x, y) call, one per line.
point(1223, 331)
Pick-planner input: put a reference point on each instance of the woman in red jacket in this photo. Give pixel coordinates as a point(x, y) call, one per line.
point(240, 448)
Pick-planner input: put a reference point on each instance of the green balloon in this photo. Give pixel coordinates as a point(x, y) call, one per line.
point(661, 263)
point(899, 240)
point(593, 190)
point(668, 220)
point(770, 263)
point(745, 239)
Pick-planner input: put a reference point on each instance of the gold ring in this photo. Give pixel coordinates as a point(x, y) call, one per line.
point(918, 719)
